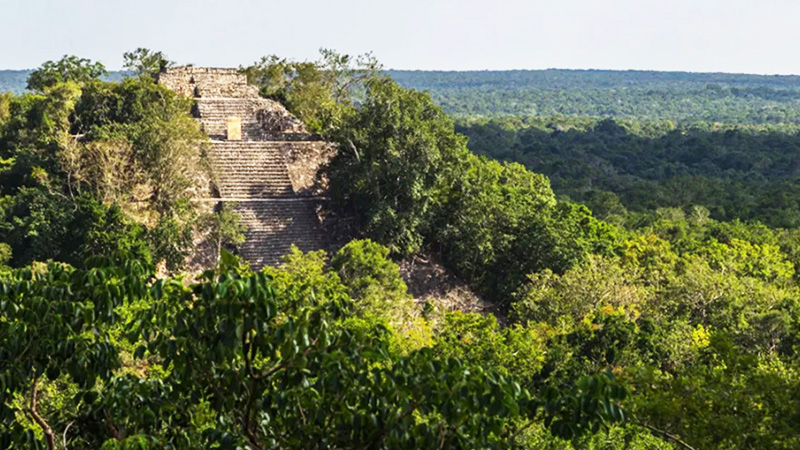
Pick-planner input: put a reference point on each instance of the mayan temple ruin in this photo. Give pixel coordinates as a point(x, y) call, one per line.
point(264, 161)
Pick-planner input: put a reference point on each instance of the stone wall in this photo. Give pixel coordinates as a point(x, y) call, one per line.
point(207, 82)
point(305, 164)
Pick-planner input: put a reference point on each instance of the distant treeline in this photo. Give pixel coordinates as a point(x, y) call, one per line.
point(676, 96)
point(15, 80)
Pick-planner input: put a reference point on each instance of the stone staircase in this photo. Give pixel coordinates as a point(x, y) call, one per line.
point(257, 172)
point(251, 169)
point(273, 225)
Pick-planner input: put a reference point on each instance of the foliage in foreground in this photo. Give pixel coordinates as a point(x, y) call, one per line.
point(107, 355)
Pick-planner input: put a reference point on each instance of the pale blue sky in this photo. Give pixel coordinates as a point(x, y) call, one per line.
point(753, 36)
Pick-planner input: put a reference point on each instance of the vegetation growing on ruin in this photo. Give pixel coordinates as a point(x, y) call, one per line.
point(92, 167)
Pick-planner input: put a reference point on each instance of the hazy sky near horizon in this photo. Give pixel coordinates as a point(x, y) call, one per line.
point(749, 36)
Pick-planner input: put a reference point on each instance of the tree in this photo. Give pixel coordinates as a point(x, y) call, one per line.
point(374, 282)
point(486, 205)
point(5, 104)
point(395, 154)
point(74, 150)
point(68, 68)
point(55, 326)
point(515, 351)
point(224, 227)
point(5, 254)
point(145, 62)
point(320, 93)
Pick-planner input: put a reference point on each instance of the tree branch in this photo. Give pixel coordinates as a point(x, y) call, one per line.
point(66, 429)
point(25, 350)
point(381, 435)
point(664, 434)
point(355, 150)
point(251, 436)
point(283, 364)
point(48, 432)
point(520, 430)
point(111, 427)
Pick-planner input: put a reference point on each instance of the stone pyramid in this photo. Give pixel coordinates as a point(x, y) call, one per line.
point(263, 158)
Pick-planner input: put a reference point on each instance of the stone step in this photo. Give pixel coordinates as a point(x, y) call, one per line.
point(247, 178)
point(262, 165)
point(250, 169)
point(256, 145)
point(247, 162)
point(273, 226)
point(265, 154)
point(254, 112)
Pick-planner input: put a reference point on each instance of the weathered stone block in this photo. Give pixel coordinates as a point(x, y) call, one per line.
point(234, 129)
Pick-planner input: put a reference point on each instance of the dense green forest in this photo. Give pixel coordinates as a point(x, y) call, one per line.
point(666, 328)
point(741, 172)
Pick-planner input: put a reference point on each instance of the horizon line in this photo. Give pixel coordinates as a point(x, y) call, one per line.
point(562, 69)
